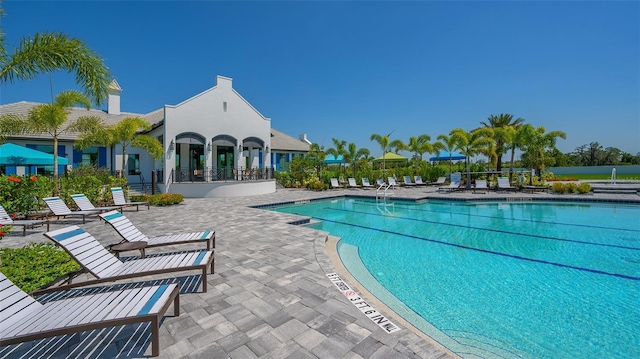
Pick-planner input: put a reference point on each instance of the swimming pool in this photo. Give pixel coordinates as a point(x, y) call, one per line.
point(506, 279)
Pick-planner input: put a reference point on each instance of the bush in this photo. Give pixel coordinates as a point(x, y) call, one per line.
point(315, 184)
point(584, 187)
point(558, 187)
point(4, 230)
point(18, 194)
point(571, 187)
point(160, 199)
point(35, 265)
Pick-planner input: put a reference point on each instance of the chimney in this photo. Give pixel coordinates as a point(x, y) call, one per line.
point(223, 82)
point(303, 138)
point(113, 101)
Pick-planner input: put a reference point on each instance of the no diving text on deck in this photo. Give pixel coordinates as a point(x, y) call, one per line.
point(364, 307)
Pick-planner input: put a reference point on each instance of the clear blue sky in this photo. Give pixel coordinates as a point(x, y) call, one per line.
point(350, 69)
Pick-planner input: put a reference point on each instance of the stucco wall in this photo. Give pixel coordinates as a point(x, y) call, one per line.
point(207, 114)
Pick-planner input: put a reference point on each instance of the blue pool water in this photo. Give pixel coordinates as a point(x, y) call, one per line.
point(507, 279)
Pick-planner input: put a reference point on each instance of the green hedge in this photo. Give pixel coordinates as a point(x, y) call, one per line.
point(35, 265)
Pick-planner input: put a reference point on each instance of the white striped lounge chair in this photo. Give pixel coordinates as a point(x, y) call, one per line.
point(5, 219)
point(119, 200)
point(96, 260)
point(60, 209)
point(84, 204)
point(23, 319)
point(130, 233)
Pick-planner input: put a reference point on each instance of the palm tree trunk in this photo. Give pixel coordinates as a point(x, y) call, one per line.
point(513, 153)
point(56, 182)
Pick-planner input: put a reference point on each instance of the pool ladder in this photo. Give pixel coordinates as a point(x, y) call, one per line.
point(383, 191)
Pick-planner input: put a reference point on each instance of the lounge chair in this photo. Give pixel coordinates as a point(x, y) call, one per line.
point(95, 259)
point(352, 183)
point(453, 186)
point(480, 185)
point(407, 181)
point(85, 205)
point(503, 183)
point(5, 219)
point(334, 183)
point(440, 180)
point(60, 209)
point(365, 183)
point(392, 182)
point(130, 233)
point(23, 319)
point(119, 200)
point(418, 181)
point(380, 182)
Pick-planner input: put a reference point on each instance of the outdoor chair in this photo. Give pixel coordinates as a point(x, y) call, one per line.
point(84, 204)
point(352, 183)
point(503, 183)
point(453, 186)
point(380, 182)
point(6, 220)
point(96, 260)
point(418, 181)
point(60, 209)
point(407, 181)
point(334, 183)
point(365, 183)
point(480, 185)
point(119, 200)
point(440, 180)
point(392, 182)
point(130, 233)
point(23, 319)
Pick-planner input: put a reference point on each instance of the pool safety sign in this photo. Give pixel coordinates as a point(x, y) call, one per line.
point(364, 307)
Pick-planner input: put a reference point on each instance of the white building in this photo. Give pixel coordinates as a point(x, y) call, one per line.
point(216, 144)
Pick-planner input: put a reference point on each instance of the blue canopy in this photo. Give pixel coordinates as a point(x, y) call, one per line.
point(14, 155)
point(444, 156)
point(329, 159)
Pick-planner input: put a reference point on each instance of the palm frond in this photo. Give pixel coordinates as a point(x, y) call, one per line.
point(48, 52)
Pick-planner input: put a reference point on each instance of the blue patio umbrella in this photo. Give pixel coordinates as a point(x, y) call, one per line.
point(444, 156)
point(331, 159)
point(14, 155)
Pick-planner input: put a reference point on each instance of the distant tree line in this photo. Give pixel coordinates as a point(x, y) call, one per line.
point(594, 154)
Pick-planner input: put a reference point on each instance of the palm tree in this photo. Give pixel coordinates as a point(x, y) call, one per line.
point(338, 150)
point(497, 124)
point(124, 133)
point(383, 141)
point(397, 146)
point(49, 52)
point(536, 142)
point(316, 154)
point(514, 139)
point(420, 145)
point(354, 155)
point(446, 143)
point(50, 119)
point(470, 144)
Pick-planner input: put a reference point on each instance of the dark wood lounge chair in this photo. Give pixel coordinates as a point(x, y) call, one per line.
point(60, 209)
point(5, 219)
point(130, 233)
point(96, 260)
point(119, 200)
point(24, 319)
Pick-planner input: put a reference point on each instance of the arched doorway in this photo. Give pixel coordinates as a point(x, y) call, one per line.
point(190, 157)
point(224, 160)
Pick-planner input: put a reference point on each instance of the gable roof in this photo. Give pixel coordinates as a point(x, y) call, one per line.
point(279, 140)
point(283, 142)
